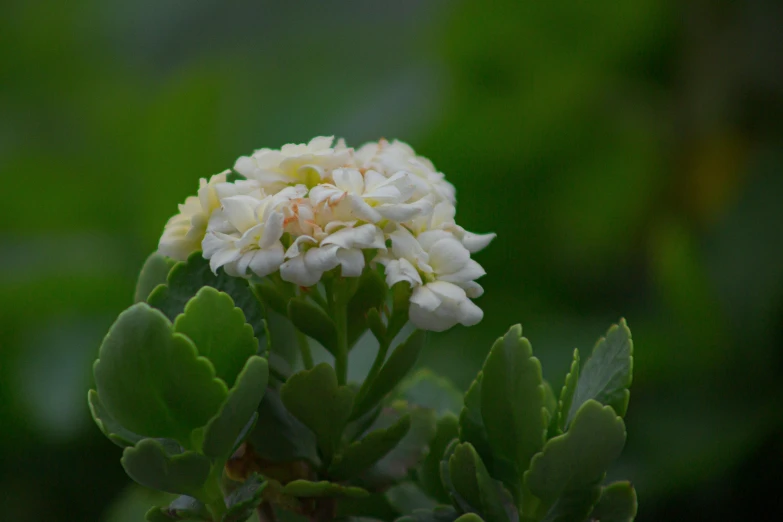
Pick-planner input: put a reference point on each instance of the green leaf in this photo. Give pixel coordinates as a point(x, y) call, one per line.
point(219, 331)
point(272, 297)
point(471, 424)
point(513, 402)
point(370, 293)
point(243, 500)
point(471, 480)
point(617, 503)
point(550, 402)
point(186, 279)
point(567, 393)
point(365, 452)
point(439, 514)
point(314, 398)
point(401, 297)
point(573, 505)
point(182, 508)
point(279, 436)
point(152, 466)
point(469, 517)
point(410, 451)
point(428, 390)
point(153, 273)
point(394, 369)
point(407, 497)
point(306, 488)
point(152, 381)
point(608, 372)
point(578, 458)
point(311, 320)
point(110, 427)
point(447, 429)
point(222, 432)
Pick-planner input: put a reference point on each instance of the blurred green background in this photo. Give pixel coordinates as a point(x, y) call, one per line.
point(628, 154)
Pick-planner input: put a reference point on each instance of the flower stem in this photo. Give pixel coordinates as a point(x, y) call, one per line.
point(380, 358)
point(304, 348)
point(339, 307)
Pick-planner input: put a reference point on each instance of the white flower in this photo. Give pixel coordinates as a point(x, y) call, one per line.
point(442, 218)
point(391, 158)
point(308, 258)
point(303, 163)
point(244, 234)
point(370, 197)
point(442, 274)
point(183, 233)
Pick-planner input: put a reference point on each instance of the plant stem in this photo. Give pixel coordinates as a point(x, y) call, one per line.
point(304, 348)
point(380, 358)
point(339, 304)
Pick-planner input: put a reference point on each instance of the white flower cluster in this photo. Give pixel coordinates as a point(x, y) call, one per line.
point(309, 208)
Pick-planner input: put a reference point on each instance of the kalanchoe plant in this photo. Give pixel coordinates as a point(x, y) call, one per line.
point(340, 242)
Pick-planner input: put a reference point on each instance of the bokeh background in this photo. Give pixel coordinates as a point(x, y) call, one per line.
point(628, 154)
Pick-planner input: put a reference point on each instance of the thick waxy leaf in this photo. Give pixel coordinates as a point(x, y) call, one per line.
point(279, 436)
point(408, 497)
point(617, 503)
point(394, 369)
point(471, 480)
point(186, 279)
point(110, 427)
point(375, 506)
point(153, 273)
point(447, 430)
point(573, 505)
point(222, 432)
point(513, 401)
point(608, 372)
point(152, 381)
point(469, 517)
point(550, 402)
point(363, 453)
point(410, 451)
point(579, 458)
point(311, 320)
point(182, 508)
point(471, 423)
point(219, 331)
point(151, 465)
point(314, 398)
point(401, 297)
point(370, 293)
point(272, 297)
point(428, 390)
point(567, 393)
point(439, 514)
point(305, 488)
point(243, 500)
